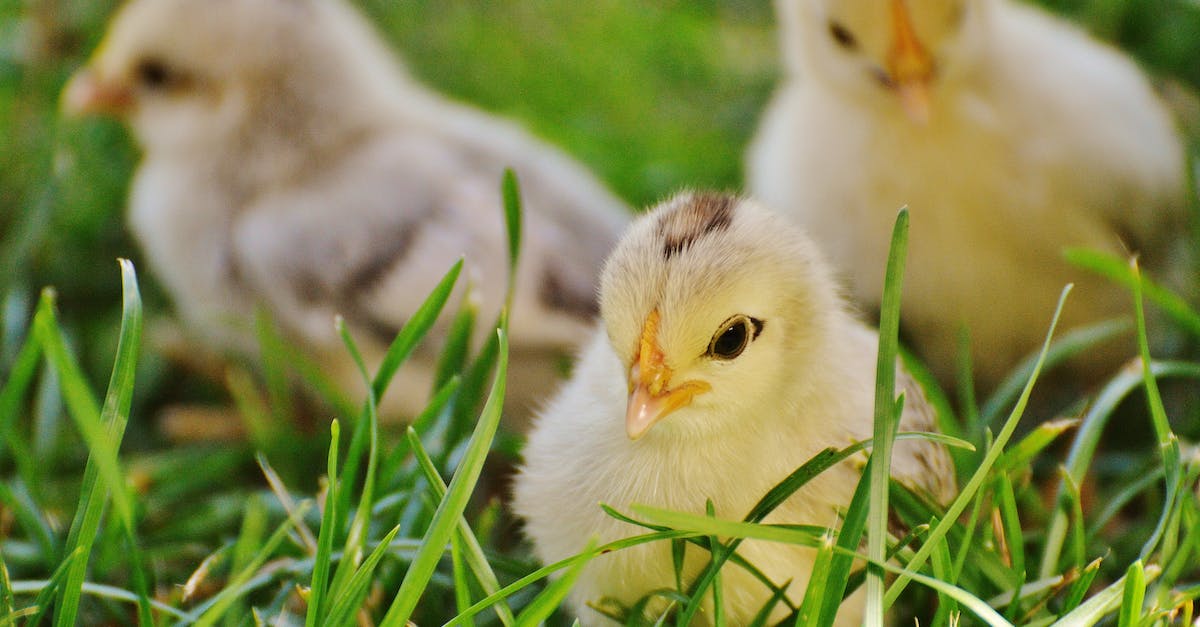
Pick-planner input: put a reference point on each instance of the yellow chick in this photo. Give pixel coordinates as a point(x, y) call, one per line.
point(1010, 135)
point(726, 360)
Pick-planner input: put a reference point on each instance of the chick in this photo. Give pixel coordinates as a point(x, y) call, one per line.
point(726, 360)
point(1009, 134)
point(290, 161)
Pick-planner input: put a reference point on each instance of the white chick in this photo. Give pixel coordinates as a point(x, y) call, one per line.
point(727, 360)
point(1010, 135)
point(289, 160)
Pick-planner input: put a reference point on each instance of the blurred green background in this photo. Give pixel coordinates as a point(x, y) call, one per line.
point(653, 96)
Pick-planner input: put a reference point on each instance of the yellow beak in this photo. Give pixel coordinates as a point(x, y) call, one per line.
point(650, 396)
point(909, 65)
point(87, 93)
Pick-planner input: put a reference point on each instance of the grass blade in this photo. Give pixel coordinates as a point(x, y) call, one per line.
point(321, 563)
point(103, 478)
point(475, 556)
point(445, 519)
point(887, 416)
point(1133, 594)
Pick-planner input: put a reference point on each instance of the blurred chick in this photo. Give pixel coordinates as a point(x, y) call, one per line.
point(1010, 134)
point(289, 160)
point(726, 361)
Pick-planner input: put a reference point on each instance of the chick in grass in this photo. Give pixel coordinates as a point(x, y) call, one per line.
point(290, 162)
point(726, 359)
point(1011, 136)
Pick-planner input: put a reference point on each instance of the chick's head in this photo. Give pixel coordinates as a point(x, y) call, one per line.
point(896, 51)
point(717, 310)
point(188, 72)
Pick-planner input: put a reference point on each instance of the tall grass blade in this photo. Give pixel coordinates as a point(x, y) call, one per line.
point(474, 552)
point(445, 519)
point(1133, 594)
point(849, 538)
point(103, 478)
point(321, 562)
point(887, 416)
point(1168, 443)
point(356, 539)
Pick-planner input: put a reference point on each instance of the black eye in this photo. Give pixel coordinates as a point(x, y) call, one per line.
point(153, 73)
point(733, 337)
point(842, 36)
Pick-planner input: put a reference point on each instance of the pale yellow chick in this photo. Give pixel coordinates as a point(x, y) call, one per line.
point(1010, 135)
point(726, 360)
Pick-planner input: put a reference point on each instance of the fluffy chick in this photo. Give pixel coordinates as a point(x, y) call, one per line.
point(1010, 135)
point(289, 160)
point(727, 360)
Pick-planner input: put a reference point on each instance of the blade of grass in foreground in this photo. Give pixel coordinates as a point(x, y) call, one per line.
point(445, 519)
point(887, 416)
point(321, 562)
point(964, 497)
point(1168, 443)
point(103, 431)
point(475, 556)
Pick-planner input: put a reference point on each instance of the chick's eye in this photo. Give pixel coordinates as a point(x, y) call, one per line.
point(733, 337)
point(153, 73)
point(842, 36)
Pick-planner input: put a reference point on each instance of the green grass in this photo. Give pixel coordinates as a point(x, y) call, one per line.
point(104, 522)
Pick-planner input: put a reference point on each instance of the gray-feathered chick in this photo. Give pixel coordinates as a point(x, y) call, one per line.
point(726, 360)
point(289, 160)
point(1010, 135)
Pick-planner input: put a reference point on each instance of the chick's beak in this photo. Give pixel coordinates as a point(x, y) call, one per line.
point(910, 65)
point(88, 93)
point(651, 397)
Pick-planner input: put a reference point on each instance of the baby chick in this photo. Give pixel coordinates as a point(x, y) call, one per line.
point(727, 360)
point(290, 161)
point(1010, 134)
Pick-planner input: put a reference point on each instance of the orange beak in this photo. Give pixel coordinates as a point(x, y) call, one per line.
point(87, 93)
point(651, 397)
point(909, 65)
